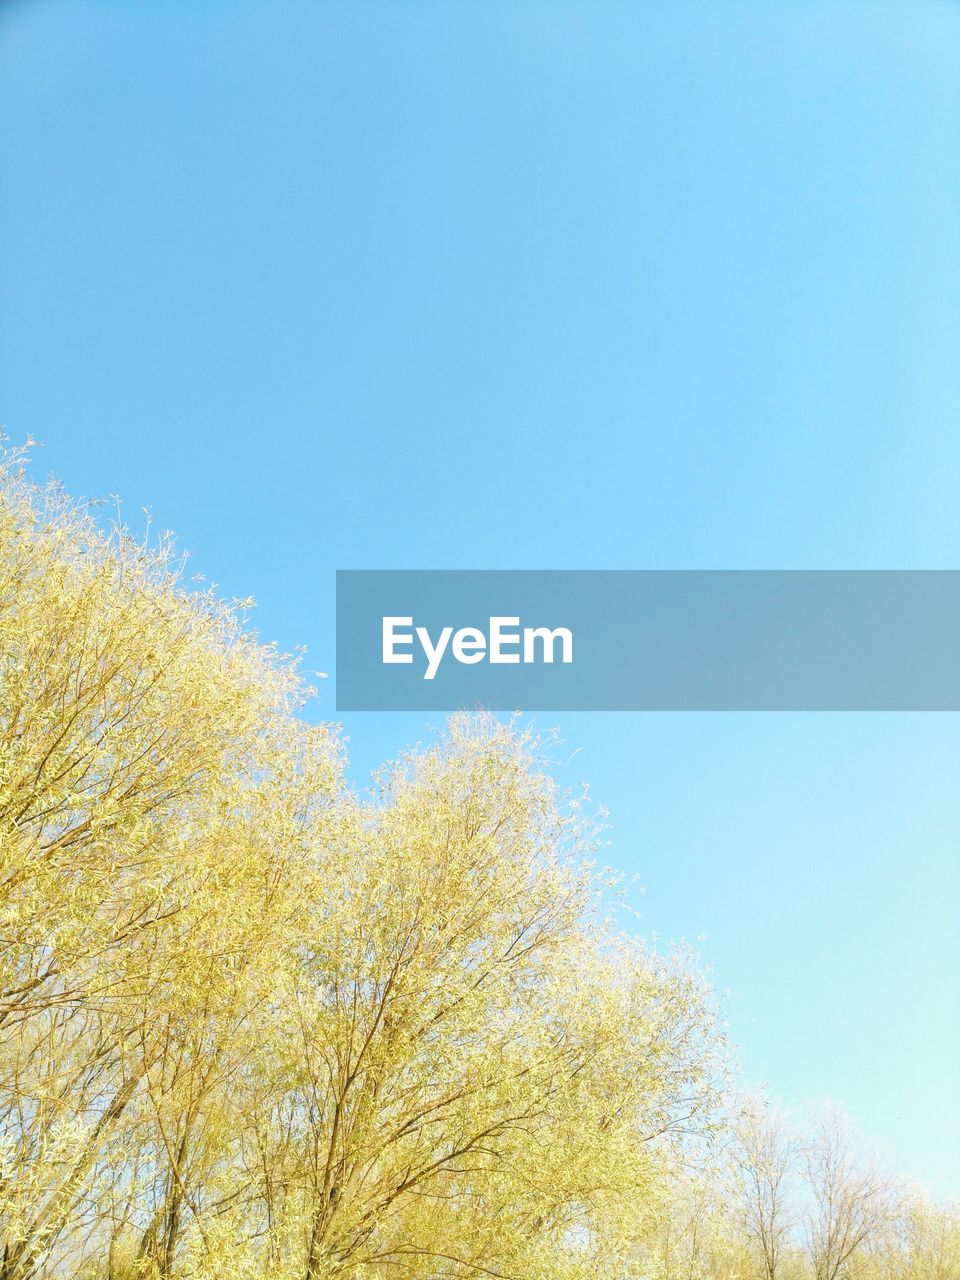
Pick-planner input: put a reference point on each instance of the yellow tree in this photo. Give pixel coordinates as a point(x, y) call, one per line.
point(850, 1201)
point(484, 1075)
point(140, 731)
point(765, 1156)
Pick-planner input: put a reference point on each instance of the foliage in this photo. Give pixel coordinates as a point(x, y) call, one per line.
point(252, 1024)
point(255, 1025)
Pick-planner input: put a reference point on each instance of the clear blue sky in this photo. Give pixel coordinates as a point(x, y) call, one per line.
point(547, 285)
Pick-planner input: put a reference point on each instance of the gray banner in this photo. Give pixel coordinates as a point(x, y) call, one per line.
point(737, 640)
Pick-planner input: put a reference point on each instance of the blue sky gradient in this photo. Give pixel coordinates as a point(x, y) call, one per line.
point(547, 285)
